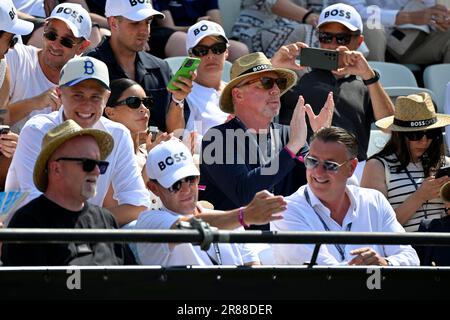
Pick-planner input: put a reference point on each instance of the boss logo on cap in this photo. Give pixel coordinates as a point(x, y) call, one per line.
point(338, 13)
point(12, 14)
point(421, 123)
point(170, 160)
point(204, 27)
point(69, 11)
point(260, 67)
point(135, 2)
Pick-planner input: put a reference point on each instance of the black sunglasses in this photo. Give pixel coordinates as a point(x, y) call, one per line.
point(341, 38)
point(13, 41)
point(88, 164)
point(268, 82)
point(418, 135)
point(217, 48)
point(311, 163)
point(66, 42)
point(177, 185)
point(135, 102)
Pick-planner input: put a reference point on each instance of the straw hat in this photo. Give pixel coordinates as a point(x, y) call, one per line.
point(414, 113)
point(56, 137)
point(246, 66)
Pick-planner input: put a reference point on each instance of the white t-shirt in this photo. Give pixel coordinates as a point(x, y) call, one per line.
point(122, 173)
point(32, 7)
point(185, 254)
point(2, 71)
point(205, 110)
point(27, 79)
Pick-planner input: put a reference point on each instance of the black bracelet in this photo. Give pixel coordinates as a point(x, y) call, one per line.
point(372, 80)
point(306, 16)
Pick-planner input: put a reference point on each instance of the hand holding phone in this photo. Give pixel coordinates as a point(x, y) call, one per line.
point(319, 58)
point(4, 129)
point(188, 65)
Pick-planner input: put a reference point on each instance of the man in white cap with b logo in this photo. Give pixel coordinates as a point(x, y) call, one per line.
point(84, 91)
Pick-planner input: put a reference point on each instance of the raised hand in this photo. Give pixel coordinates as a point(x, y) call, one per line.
point(325, 116)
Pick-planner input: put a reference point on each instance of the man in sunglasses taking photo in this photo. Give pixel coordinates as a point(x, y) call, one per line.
point(35, 72)
point(328, 203)
point(67, 171)
point(360, 98)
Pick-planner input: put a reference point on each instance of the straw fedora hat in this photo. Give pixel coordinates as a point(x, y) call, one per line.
point(56, 137)
point(246, 66)
point(414, 113)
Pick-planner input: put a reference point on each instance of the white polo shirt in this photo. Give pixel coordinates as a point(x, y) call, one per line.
point(122, 172)
point(369, 212)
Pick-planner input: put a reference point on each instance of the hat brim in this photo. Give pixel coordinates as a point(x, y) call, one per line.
point(388, 124)
point(226, 102)
point(40, 177)
point(142, 14)
point(344, 23)
point(183, 172)
point(78, 80)
point(21, 27)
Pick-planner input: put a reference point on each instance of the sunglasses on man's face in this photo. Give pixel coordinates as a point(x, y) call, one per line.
point(88, 164)
point(177, 185)
point(268, 82)
point(342, 39)
point(418, 135)
point(330, 166)
point(135, 102)
point(217, 48)
point(65, 41)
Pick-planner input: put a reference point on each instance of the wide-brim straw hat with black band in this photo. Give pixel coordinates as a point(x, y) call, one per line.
point(59, 135)
point(414, 113)
point(246, 66)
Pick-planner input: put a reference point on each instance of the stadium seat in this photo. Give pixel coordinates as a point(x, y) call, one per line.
point(175, 63)
point(229, 11)
point(377, 141)
point(394, 74)
point(435, 78)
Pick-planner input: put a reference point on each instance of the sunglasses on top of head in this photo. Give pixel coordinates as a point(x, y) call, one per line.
point(177, 185)
point(88, 164)
point(201, 50)
point(135, 102)
point(64, 41)
point(418, 135)
point(341, 38)
point(268, 82)
point(331, 166)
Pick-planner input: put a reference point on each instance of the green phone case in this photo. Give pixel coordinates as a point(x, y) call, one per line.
point(188, 65)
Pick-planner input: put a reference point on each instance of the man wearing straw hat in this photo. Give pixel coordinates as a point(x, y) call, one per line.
point(66, 171)
point(328, 203)
point(250, 153)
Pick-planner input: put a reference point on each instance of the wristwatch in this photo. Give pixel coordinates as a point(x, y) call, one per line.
point(373, 79)
point(179, 103)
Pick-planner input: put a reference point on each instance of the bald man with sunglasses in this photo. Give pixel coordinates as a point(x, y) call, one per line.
point(360, 99)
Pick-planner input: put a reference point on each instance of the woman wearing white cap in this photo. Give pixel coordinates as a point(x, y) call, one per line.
point(404, 171)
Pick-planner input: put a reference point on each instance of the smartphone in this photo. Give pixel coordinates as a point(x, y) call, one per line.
point(188, 65)
point(4, 129)
point(153, 130)
point(319, 58)
point(444, 171)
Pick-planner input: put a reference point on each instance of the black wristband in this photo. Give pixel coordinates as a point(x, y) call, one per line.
point(373, 79)
point(306, 16)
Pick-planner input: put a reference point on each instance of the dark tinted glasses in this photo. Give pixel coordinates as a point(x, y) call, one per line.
point(217, 48)
point(267, 82)
point(66, 42)
point(331, 166)
point(88, 164)
point(177, 185)
point(13, 42)
point(135, 102)
point(342, 39)
point(417, 135)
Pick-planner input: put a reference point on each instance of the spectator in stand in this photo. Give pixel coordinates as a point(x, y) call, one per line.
point(180, 15)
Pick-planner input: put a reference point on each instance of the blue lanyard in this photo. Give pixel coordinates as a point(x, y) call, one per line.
point(339, 247)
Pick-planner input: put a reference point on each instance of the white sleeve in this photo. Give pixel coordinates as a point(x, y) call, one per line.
point(398, 255)
point(128, 185)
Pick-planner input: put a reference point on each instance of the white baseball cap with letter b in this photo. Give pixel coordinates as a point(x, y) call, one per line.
point(83, 68)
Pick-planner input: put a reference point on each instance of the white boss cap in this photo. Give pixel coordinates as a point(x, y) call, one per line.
point(201, 30)
point(343, 14)
point(169, 162)
point(76, 18)
point(135, 10)
point(83, 68)
point(9, 21)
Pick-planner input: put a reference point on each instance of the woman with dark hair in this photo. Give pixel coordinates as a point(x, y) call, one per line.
point(404, 170)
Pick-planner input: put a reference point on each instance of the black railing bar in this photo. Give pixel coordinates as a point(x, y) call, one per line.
point(177, 236)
